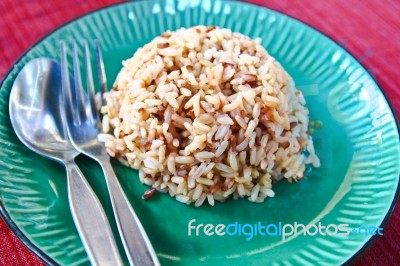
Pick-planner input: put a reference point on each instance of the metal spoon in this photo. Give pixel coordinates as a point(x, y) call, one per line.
point(37, 116)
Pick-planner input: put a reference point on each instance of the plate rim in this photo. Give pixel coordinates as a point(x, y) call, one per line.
point(357, 255)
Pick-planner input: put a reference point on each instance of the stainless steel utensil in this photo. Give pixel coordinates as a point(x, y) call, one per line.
point(36, 114)
point(83, 129)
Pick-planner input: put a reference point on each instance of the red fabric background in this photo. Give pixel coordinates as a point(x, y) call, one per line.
point(370, 30)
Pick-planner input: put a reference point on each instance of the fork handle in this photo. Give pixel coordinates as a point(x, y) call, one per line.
point(90, 220)
point(134, 238)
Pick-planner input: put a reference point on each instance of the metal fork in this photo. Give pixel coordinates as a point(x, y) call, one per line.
point(83, 118)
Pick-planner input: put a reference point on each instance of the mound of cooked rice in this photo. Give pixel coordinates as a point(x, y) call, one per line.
point(206, 113)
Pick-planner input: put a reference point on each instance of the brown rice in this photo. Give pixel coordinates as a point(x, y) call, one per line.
point(204, 114)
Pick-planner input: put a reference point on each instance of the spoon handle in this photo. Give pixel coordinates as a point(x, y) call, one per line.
point(137, 245)
point(90, 220)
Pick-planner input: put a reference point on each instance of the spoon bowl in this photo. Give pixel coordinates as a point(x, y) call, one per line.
point(35, 110)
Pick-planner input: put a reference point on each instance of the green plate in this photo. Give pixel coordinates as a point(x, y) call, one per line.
point(358, 146)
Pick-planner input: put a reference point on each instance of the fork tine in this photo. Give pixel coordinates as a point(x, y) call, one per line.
point(100, 69)
point(80, 95)
point(92, 113)
point(66, 84)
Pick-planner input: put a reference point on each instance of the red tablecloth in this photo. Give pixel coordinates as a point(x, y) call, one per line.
point(370, 30)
